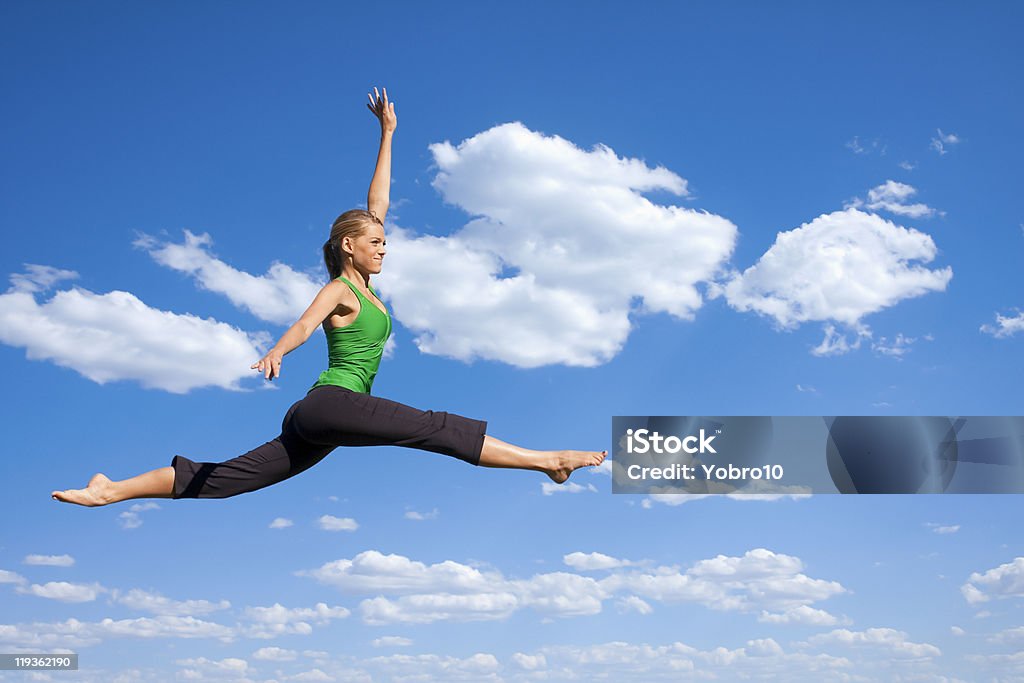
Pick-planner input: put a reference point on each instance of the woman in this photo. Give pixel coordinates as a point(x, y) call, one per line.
point(338, 409)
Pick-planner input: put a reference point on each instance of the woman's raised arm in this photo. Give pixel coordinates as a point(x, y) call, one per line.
point(378, 198)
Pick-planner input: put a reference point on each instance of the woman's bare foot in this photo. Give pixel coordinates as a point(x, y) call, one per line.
point(98, 492)
point(565, 462)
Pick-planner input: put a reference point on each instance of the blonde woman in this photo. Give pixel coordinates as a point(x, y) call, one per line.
point(338, 410)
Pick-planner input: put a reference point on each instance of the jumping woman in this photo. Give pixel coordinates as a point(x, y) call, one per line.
point(338, 409)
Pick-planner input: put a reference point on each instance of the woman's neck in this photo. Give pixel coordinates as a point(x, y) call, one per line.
point(355, 277)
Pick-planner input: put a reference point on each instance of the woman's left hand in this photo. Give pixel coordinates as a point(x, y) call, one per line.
point(269, 365)
point(383, 110)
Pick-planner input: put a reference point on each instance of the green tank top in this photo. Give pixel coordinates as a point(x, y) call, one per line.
point(354, 351)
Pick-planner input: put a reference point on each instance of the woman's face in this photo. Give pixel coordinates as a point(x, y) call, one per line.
point(367, 249)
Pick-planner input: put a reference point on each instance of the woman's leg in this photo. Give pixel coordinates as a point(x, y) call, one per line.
point(337, 416)
point(556, 464)
point(284, 456)
point(157, 483)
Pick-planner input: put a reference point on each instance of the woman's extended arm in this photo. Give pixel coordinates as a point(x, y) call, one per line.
point(378, 199)
point(327, 299)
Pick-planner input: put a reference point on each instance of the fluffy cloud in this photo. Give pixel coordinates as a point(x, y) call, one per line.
point(281, 523)
point(407, 591)
point(1006, 326)
point(939, 143)
point(275, 654)
point(332, 523)
point(63, 591)
point(229, 666)
point(758, 580)
point(11, 577)
point(50, 560)
point(1004, 581)
point(130, 519)
point(549, 488)
point(892, 642)
point(372, 571)
point(428, 608)
point(75, 634)
point(800, 615)
point(539, 277)
point(624, 661)
point(428, 667)
point(422, 516)
point(277, 620)
point(145, 601)
point(892, 196)
point(115, 336)
point(280, 296)
point(391, 641)
point(593, 561)
point(838, 268)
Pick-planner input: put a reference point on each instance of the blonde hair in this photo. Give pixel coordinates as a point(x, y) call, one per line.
point(352, 223)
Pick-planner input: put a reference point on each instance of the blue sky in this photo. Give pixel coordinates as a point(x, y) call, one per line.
point(598, 209)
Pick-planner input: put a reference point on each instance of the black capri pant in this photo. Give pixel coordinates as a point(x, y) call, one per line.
point(327, 417)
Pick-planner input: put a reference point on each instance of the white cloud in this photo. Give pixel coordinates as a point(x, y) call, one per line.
point(838, 268)
point(39, 278)
point(759, 580)
point(332, 523)
point(593, 561)
point(957, 631)
point(428, 667)
point(421, 516)
point(115, 336)
point(875, 146)
point(907, 166)
point(407, 591)
point(1005, 326)
point(1011, 636)
point(277, 620)
point(11, 577)
point(631, 603)
point(64, 591)
point(313, 675)
point(939, 143)
point(74, 633)
point(835, 343)
point(428, 608)
point(760, 658)
point(551, 225)
point(806, 389)
point(529, 662)
point(891, 641)
point(275, 654)
point(372, 572)
point(145, 601)
point(944, 528)
point(281, 523)
point(391, 641)
point(800, 615)
point(280, 296)
point(130, 519)
point(50, 560)
point(892, 196)
point(549, 488)
point(232, 666)
point(895, 349)
point(1004, 581)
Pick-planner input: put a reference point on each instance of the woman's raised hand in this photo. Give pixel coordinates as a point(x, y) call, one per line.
point(383, 110)
point(269, 365)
